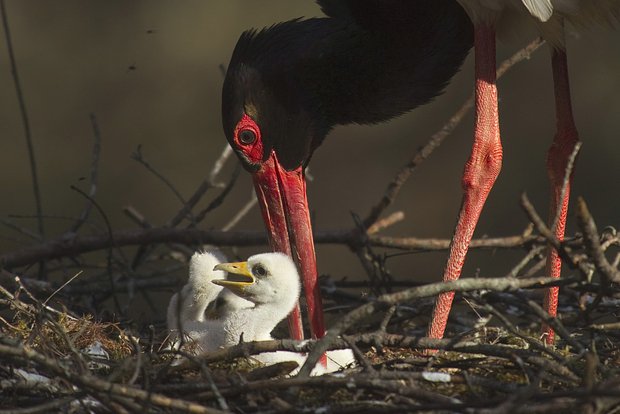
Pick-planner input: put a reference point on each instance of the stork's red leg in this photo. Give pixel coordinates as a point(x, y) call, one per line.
point(557, 160)
point(481, 169)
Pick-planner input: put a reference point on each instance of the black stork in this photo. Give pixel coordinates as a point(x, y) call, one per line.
point(485, 161)
point(289, 84)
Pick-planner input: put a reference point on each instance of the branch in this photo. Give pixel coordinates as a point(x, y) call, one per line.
point(542, 228)
point(593, 243)
point(137, 156)
point(202, 188)
point(433, 289)
point(73, 245)
point(26, 355)
point(25, 120)
point(94, 168)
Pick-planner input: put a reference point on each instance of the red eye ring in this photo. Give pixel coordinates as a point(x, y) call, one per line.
point(248, 141)
point(247, 136)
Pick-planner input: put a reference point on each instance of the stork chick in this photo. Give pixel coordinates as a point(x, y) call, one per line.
point(186, 309)
point(271, 282)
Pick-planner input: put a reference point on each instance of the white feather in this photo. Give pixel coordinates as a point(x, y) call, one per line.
point(540, 9)
point(546, 16)
point(273, 297)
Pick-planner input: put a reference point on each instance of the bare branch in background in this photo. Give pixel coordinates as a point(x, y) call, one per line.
point(25, 121)
point(203, 188)
point(245, 209)
point(139, 157)
point(94, 168)
point(78, 244)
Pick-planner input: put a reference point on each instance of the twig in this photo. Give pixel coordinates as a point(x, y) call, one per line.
point(137, 156)
point(73, 245)
point(137, 217)
point(47, 407)
point(593, 243)
point(25, 120)
point(23, 354)
point(433, 289)
point(557, 326)
point(26, 307)
point(565, 183)
point(512, 329)
point(112, 245)
point(202, 188)
point(219, 164)
point(371, 262)
point(62, 287)
point(189, 205)
point(94, 168)
point(386, 222)
point(542, 228)
point(514, 272)
point(241, 213)
point(217, 201)
point(22, 230)
point(418, 244)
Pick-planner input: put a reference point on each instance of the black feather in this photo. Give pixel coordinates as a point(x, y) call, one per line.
point(370, 61)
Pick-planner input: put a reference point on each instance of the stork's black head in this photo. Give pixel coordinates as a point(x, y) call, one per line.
point(265, 108)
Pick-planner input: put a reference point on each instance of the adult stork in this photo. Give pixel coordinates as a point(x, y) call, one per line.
point(484, 164)
point(289, 84)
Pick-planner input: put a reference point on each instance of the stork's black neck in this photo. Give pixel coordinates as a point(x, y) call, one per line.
point(370, 61)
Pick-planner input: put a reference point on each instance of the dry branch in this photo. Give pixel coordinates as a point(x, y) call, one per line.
point(70, 245)
point(26, 356)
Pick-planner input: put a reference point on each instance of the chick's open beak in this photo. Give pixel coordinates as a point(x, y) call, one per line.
point(239, 275)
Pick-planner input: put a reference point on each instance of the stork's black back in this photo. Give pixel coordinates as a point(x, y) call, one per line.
point(367, 62)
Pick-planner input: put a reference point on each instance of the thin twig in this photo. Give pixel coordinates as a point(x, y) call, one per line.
point(46, 407)
point(111, 247)
point(22, 230)
point(217, 201)
point(137, 156)
point(94, 168)
point(568, 172)
point(542, 228)
point(62, 287)
point(593, 243)
point(247, 207)
point(25, 120)
point(219, 164)
point(386, 222)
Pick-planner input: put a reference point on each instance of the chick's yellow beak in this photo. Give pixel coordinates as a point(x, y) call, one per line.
point(239, 275)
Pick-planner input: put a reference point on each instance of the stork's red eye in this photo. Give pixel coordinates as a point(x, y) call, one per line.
point(247, 136)
point(248, 142)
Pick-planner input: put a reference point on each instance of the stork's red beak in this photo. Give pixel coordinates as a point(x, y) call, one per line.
point(284, 205)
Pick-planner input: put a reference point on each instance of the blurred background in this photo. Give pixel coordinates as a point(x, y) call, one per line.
point(150, 73)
